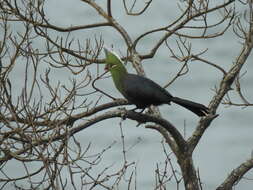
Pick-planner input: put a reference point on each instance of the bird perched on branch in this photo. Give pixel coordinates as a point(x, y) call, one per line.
point(142, 91)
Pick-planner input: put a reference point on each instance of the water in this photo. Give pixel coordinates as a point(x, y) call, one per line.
point(227, 143)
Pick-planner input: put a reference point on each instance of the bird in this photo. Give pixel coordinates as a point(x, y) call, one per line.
point(143, 92)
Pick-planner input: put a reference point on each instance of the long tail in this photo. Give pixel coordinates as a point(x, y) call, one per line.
point(196, 108)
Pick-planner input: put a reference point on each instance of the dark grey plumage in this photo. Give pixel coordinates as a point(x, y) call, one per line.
point(144, 92)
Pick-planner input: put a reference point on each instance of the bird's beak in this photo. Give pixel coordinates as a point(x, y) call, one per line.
point(106, 67)
point(106, 55)
point(110, 55)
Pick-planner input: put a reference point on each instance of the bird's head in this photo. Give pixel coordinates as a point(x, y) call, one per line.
point(112, 60)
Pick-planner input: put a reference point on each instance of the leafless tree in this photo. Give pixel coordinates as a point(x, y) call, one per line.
point(39, 117)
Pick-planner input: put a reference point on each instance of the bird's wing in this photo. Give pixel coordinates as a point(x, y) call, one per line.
point(138, 89)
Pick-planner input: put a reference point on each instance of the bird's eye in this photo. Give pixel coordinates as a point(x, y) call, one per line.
point(112, 66)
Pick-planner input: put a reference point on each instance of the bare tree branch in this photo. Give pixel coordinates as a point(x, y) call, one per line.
point(225, 86)
point(236, 175)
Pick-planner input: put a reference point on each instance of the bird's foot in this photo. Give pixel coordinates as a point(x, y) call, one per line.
point(123, 113)
point(139, 123)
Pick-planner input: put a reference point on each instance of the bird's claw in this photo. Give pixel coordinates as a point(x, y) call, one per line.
point(123, 113)
point(139, 123)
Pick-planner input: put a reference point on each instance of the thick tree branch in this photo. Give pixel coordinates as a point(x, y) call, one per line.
point(141, 118)
point(69, 119)
point(225, 86)
point(121, 113)
point(236, 175)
